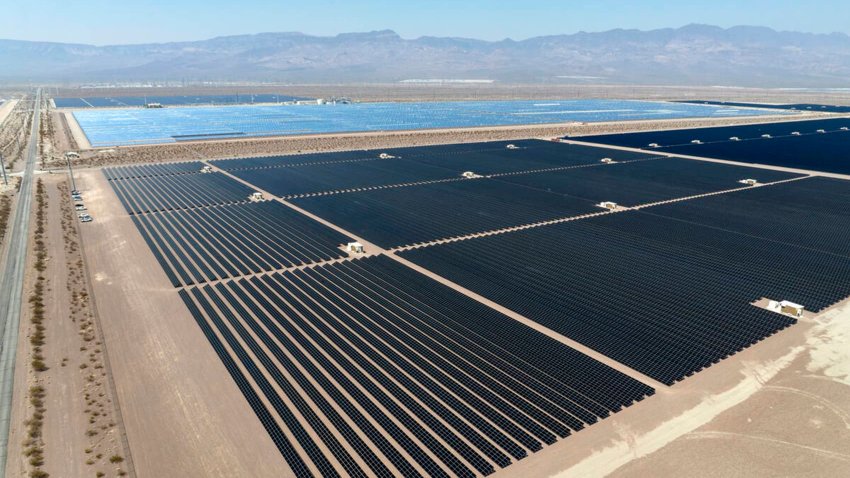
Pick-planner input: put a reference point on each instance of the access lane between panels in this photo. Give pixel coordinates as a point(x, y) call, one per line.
point(376, 336)
point(662, 296)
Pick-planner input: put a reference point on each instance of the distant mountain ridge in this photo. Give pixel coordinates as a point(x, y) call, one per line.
point(690, 55)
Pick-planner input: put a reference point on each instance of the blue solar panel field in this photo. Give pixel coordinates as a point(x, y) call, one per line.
point(115, 127)
point(183, 100)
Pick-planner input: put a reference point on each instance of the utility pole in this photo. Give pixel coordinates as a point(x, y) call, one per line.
point(3, 168)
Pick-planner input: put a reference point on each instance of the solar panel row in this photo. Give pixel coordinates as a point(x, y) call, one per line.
point(167, 169)
point(452, 387)
point(146, 194)
point(205, 244)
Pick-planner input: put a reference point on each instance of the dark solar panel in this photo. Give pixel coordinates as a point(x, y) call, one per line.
point(232, 240)
point(143, 194)
point(401, 216)
point(818, 145)
point(812, 213)
point(665, 297)
point(477, 389)
point(642, 182)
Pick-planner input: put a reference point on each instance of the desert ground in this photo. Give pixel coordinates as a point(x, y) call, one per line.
point(459, 91)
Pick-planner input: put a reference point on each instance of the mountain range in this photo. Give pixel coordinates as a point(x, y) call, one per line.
point(690, 55)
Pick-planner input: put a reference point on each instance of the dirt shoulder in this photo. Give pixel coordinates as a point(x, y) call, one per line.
point(183, 414)
point(185, 151)
point(480, 91)
point(73, 427)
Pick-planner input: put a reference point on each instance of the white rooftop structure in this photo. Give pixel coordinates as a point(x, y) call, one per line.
point(608, 205)
point(696, 141)
point(795, 133)
point(512, 146)
point(256, 197)
point(766, 136)
point(470, 175)
point(653, 145)
point(207, 169)
point(386, 156)
point(355, 247)
point(734, 138)
point(607, 160)
point(749, 182)
point(786, 307)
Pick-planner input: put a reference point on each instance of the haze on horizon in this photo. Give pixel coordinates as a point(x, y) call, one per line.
point(102, 22)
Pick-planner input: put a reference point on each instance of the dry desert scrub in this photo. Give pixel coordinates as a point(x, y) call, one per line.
point(33, 446)
point(5, 212)
point(102, 435)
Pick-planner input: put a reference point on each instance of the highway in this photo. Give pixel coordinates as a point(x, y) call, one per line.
point(11, 287)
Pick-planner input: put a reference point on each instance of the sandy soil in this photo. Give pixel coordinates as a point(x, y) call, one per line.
point(6, 108)
point(78, 397)
point(183, 415)
point(349, 141)
point(420, 92)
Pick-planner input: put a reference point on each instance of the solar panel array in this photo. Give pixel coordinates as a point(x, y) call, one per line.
point(322, 177)
point(812, 214)
point(643, 182)
point(365, 367)
point(368, 368)
point(179, 100)
point(145, 170)
point(773, 106)
point(663, 296)
point(483, 158)
point(415, 214)
point(143, 194)
point(423, 213)
point(292, 176)
point(206, 244)
point(792, 145)
point(111, 127)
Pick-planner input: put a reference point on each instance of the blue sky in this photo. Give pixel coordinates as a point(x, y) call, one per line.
point(137, 21)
